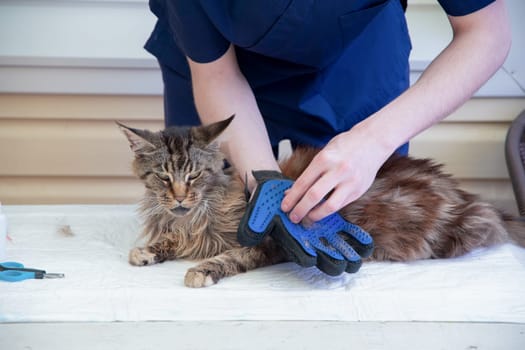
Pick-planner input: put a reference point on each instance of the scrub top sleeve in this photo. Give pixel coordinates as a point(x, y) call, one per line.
point(193, 31)
point(463, 7)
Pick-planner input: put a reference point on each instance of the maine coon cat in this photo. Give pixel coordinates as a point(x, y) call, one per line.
point(192, 207)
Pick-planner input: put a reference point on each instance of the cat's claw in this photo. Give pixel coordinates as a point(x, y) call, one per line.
point(197, 279)
point(142, 257)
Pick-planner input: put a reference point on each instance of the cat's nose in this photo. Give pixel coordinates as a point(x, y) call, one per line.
point(179, 191)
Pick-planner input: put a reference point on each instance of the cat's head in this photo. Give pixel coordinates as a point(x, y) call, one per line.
point(179, 165)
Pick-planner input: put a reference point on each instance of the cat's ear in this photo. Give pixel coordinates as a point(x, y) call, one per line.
point(138, 139)
point(208, 133)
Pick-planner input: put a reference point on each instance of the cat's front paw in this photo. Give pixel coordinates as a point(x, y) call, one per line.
point(142, 257)
point(196, 278)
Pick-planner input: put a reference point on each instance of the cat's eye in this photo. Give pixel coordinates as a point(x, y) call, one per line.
point(193, 176)
point(163, 177)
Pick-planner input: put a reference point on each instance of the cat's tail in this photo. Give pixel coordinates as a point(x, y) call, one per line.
point(515, 226)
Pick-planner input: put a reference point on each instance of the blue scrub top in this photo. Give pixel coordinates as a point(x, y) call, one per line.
point(316, 68)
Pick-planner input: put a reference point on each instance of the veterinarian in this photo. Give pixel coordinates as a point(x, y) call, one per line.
point(332, 74)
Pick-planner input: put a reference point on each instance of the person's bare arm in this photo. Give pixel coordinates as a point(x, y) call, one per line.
point(220, 90)
point(349, 163)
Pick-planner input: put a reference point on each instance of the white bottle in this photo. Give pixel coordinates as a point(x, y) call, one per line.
point(3, 234)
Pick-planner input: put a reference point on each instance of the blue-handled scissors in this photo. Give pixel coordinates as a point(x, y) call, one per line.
point(14, 272)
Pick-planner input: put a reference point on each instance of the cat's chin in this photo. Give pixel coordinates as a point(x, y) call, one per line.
point(179, 211)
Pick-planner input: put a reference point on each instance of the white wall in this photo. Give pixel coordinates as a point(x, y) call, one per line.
point(95, 46)
point(76, 46)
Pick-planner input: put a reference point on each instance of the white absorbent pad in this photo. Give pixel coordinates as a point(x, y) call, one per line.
point(487, 285)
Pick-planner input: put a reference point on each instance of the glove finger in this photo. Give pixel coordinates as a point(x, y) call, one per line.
point(359, 239)
point(291, 246)
point(329, 265)
point(256, 222)
point(246, 236)
point(353, 266)
point(335, 248)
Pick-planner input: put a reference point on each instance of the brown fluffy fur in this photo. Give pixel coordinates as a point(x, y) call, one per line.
point(192, 208)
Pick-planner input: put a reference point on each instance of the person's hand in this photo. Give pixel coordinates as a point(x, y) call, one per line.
point(333, 244)
point(339, 174)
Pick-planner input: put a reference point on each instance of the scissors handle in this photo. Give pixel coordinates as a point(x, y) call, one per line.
point(13, 272)
point(21, 269)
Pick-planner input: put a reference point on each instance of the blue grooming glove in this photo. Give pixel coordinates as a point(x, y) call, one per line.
point(332, 244)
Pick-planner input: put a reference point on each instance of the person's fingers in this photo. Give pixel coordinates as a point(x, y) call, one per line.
point(313, 196)
point(299, 188)
point(339, 197)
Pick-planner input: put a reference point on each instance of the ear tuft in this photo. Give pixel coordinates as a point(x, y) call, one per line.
point(207, 133)
point(136, 137)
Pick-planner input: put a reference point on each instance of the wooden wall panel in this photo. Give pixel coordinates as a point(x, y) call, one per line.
point(469, 150)
point(70, 189)
point(98, 148)
point(78, 107)
point(67, 148)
